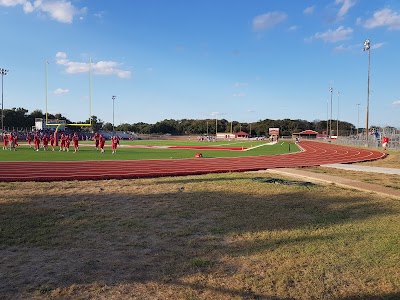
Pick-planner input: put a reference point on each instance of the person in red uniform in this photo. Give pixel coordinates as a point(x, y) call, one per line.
point(5, 141)
point(11, 141)
point(114, 143)
point(102, 141)
point(15, 140)
point(62, 142)
point(96, 138)
point(36, 142)
point(52, 142)
point(45, 141)
point(385, 142)
point(29, 139)
point(67, 142)
point(75, 139)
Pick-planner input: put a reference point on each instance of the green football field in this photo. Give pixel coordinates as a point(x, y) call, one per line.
point(149, 149)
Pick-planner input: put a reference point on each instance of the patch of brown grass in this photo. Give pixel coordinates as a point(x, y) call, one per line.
point(221, 236)
point(387, 180)
point(391, 161)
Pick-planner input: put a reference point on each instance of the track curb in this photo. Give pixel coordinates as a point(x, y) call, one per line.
point(339, 181)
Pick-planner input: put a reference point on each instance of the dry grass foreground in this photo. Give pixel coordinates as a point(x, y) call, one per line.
point(223, 236)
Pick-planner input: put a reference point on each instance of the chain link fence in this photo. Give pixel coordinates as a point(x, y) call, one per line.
point(374, 139)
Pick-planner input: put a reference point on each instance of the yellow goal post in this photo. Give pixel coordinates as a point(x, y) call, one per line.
point(58, 125)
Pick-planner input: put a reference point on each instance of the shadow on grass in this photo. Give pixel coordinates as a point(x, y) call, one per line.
point(60, 241)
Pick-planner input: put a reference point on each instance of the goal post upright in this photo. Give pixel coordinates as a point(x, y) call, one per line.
point(57, 125)
point(47, 88)
point(90, 92)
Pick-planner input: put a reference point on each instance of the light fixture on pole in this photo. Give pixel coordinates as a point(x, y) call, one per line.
point(367, 47)
point(113, 99)
point(330, 120)
point(337, 121)
point(2, 72)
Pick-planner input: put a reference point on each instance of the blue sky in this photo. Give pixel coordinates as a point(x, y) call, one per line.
point(232, 59)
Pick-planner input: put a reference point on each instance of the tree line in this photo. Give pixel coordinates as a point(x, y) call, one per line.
point(20, 118)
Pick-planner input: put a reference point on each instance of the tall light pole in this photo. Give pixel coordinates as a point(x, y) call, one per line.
point(367, 47)
point(337, 121)
point(2, 72)
point(330, 120)
point(327, 118)
point(358, 117)
point(113, 99)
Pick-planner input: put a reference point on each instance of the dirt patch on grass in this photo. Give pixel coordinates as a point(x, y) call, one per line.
point(222, 236)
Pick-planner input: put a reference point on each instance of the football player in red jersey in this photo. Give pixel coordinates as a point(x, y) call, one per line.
point(96, 138)
point(36, 142)
point(75, 139)
point(114, 143)
point(29, 139)
point(45, 141)
point(62, 142)
point(52, 142)
point(102, 141)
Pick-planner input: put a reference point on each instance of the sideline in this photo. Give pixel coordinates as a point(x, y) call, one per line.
point(266, 144)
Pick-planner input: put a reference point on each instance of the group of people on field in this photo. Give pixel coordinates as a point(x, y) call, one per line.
point(37, 140)
point(44, 140)
point(10, 141)
point(99, 142)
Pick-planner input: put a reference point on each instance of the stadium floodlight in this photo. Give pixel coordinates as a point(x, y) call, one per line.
point(367, 47)
point(113, 99)
point(2, 72)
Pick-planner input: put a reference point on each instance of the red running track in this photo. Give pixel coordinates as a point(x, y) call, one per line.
point(313, 154)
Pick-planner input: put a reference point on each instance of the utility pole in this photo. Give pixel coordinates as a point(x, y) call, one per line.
point(337, 121)
point(3, 72)
point(330, 120)
point(367, 47)
point(113, 99)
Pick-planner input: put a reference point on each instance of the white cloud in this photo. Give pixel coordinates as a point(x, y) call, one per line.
point(268, 20)
point(396, 103)
point(12, 2)
point(240, 84)
point(384, 18)
point(239, 95)
point(309, 10)
point(60, 91)
point(341, 48)
point(340, 34)
point(349, 48)
point(293, 28)
point(59, 10)
point(377, 45)
point(100, 68)
point(347, 4)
